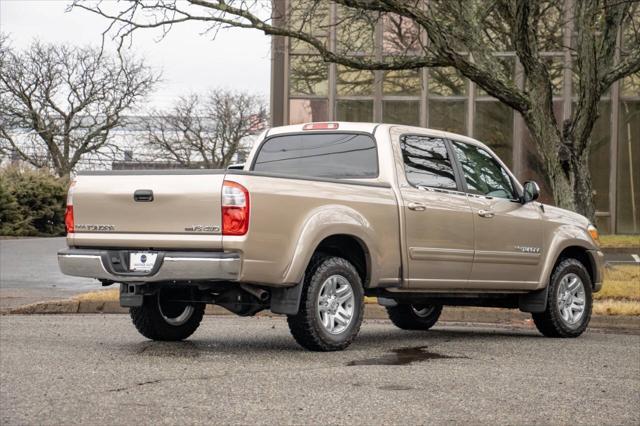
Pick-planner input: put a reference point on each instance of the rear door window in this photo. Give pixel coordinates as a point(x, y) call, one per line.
point(323, 155)
point(427, 162)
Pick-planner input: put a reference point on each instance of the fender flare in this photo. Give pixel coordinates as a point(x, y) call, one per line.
point(325, 222)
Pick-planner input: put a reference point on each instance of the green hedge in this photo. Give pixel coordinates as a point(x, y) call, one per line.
point(32, 202)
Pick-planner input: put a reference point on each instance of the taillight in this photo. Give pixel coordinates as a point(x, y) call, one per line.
point(68, 213)
point(235, 208)
point(68, 219)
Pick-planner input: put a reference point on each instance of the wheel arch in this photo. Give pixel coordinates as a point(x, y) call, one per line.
point(579, 253)
point(341, 232)
point(350, 248)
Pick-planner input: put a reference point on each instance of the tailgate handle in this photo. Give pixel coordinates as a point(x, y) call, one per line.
point(143, 195)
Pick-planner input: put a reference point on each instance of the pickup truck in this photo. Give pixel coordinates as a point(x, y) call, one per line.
point(322, 215)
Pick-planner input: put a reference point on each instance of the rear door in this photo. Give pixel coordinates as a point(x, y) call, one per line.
point(438, 220)
point(508, 234)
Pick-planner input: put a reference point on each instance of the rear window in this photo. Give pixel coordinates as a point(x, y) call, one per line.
point(324, 155)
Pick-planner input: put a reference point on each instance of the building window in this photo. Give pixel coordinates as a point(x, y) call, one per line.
point(447, 82)
point(400, 35)
point(493, 125)
point(599, 164)
point(628, 202)
point(307, 110)
point(311, 17)
point(308, 75)
point(401, 112)
point(448, 115)
point(355, 31)
point(402, 83)
point(351, 82)
point(354, 110)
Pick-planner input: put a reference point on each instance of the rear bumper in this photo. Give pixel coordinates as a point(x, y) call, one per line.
point(170, 266)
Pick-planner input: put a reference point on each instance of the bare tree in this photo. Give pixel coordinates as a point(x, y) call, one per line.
point(205, 131)
point(462, 34)
point(59, 103)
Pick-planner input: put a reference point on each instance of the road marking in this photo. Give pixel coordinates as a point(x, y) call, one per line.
point(636, 258)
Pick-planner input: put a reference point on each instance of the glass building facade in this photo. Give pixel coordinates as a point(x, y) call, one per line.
point(305, 89)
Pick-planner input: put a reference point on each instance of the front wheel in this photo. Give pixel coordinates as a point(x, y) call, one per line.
point(162, 318)
point(331, 306)
point(569, 301)
point(414, 316)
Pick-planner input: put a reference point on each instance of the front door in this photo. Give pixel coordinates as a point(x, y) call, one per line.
point(438, 219)
point(508, 237)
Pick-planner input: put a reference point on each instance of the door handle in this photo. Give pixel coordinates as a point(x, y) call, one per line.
point(144, 195)
point(419, 207)
point(485, 213)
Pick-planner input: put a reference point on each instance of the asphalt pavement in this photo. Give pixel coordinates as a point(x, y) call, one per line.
point(96, 369)
point(29, 272)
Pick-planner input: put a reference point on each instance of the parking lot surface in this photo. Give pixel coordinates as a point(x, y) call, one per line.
point(96, 369)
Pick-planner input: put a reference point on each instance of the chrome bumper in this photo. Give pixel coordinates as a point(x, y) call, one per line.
point(170, 266)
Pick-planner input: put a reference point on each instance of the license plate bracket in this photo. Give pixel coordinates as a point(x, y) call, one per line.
point(142, 261)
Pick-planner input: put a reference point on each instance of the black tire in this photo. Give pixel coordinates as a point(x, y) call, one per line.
point(414, 317)
point(551, 322)
point(306, 326)
point(159, 319)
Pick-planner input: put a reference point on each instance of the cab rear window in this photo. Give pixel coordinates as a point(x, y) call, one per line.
point(323, 155)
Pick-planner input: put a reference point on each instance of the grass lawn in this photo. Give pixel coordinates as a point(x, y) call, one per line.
point(620, 294)
point(620, 241)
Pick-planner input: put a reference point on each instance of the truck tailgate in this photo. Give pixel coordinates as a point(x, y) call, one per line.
point(176, 205)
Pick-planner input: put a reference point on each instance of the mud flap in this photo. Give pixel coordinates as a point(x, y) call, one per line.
point(534, 302)
point(286, 300)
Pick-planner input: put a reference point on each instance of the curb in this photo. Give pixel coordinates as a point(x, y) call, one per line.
point(450, 314)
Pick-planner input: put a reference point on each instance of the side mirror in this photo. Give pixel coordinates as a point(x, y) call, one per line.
point(531, 192)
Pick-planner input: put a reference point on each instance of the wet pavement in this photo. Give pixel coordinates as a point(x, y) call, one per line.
point(97, 369)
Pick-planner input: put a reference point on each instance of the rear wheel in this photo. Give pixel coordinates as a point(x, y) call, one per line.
point(162, 318)
point(414, 316)
point(569, 301)
point(331, 306)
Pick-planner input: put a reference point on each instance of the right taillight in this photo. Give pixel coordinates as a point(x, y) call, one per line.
point(68, 219)
point(235, 208)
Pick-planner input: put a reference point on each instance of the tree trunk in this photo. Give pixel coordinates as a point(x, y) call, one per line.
point(580, 179)
point(569, 174)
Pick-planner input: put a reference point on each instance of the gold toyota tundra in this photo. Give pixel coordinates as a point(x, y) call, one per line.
point(320, 216)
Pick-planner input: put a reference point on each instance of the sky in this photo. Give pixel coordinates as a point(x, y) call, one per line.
point(237, 59)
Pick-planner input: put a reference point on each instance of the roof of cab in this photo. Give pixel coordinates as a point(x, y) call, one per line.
point(371, 128)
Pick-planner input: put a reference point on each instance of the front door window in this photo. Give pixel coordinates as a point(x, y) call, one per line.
point(482, 173)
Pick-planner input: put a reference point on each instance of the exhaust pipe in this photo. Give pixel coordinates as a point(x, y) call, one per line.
point(260, 294)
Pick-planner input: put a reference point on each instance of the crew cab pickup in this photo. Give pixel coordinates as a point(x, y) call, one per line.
point(322, 215)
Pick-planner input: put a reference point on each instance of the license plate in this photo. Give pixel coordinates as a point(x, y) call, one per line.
point(142, 262)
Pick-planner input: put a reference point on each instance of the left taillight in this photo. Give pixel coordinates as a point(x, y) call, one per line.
point(68, 219)
point(235, 208)
point(68, 213)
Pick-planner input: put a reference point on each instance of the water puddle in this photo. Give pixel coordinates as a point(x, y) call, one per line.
point(403, 356)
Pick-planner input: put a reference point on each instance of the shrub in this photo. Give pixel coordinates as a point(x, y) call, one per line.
point(32, 202)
